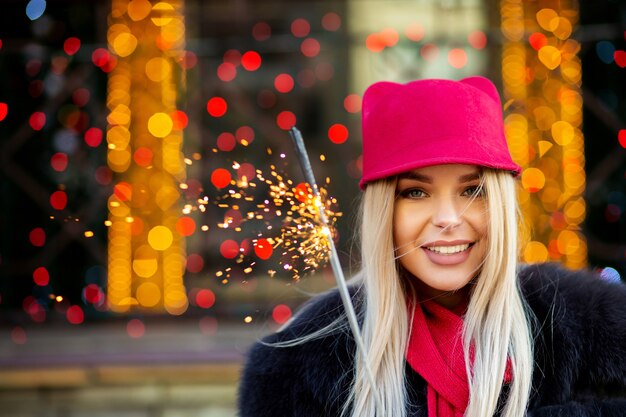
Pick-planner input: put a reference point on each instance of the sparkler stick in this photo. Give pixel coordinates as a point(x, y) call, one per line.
point(305, 164)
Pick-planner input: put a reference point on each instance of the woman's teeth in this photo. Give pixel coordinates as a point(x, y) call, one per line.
point(448, 250)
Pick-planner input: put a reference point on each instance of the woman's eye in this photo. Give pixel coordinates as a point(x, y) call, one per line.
point(472, 191)
point(413, 193)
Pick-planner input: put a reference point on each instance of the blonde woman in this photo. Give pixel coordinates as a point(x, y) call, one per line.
point(452, 324)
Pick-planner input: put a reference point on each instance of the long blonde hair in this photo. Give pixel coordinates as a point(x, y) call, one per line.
point(496, 322)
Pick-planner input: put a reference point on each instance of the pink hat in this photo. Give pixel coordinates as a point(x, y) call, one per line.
point(432, 122)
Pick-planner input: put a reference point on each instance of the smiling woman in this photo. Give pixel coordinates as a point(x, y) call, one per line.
point(440, 229)
point(452, 324)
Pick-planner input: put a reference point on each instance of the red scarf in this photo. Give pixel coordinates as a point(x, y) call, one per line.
point(435, 351)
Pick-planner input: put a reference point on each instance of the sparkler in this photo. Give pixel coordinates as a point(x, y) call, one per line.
point(303, 241)
point(305, 164)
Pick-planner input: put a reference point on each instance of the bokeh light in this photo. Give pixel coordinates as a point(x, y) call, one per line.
point(217, 106)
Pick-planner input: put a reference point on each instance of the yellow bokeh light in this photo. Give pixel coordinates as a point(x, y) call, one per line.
point(550, 56)
point(148, 294)
point(162, 13)
point(160, 125)
point(548, 19)
point(166, 196)
point(562, 133)
point(533, 179)
point(158, 69)
point(575, 211)
point(535, 252)
point(139, 9)
point(568, 242)
point(160, 237)
point(145, 262)
point(124, 44)
point(563, 29)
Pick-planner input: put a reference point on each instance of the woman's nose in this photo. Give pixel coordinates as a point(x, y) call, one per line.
point(446, 214)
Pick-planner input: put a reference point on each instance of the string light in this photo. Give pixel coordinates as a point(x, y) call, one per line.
point(146, 249)
point(541, 73)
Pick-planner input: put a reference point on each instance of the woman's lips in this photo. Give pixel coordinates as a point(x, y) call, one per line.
point(448, 259)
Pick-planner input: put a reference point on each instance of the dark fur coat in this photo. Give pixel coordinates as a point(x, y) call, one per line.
point(580, 354)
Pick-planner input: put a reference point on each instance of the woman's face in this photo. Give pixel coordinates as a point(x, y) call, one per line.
point(440, 229)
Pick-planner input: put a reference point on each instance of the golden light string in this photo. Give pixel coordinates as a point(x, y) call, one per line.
point(541, 74)
point(146, 252)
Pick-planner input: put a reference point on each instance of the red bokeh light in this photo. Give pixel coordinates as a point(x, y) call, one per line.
point(374, 42)
point(352, 103)
point(300, 28)
point(195, 263)
point(71, 45)
point(286, 120)
point(310, 47)
point(123, 191)
point(37, 120)
point(18, 335)
point(220, 178)
point(135, 328)
point(232, 56)
point(93, 294)
point(179, 119)
point(389, 36)
point(233, 218)
point(263, 249)
point(185, 226)
point(226, 72)
point(415, 32)
point(477, 39)
point(59, 161)
point(281, 313)
point(338, 133)
point(41, 276)
point(621, 137)
point(331, 21)
point(75, 315)
point(205, 298)
point(620, 58)
point(303, 192)
point(58, 200)
point(457, 57)
point(246, 170)
point(226, 142)
point(261, 31)
point(37, 237)
point(217, 107)
point(93, 137)
point(188, 60)
point(100, 57)
point(137, 226)
point(143, 156)
point(229, 249)
point(244, 133)
point(251, 61)
point(283, 83)
point(429, 52)
point(81, 97)
point(4, 109)
point(103, 175)
point(537, 40)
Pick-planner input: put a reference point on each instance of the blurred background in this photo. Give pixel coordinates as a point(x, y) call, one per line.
point(154, 218)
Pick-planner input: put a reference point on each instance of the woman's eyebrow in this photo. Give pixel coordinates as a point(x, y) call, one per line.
point(416, 176)
point(469, 177)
